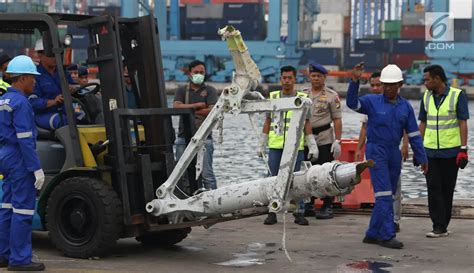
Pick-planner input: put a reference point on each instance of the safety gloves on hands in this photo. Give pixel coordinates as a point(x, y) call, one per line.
point(461, 159)
point(313, 151)
point(262, 145)
point(39, 176)
point(336, 148)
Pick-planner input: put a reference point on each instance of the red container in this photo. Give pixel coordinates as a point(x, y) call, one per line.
point(363, 194)
point(413, 32)
point(405, 61)
point(347, 25)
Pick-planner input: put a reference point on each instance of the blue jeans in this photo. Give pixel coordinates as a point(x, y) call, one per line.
point(208, 178)
point(274, 158)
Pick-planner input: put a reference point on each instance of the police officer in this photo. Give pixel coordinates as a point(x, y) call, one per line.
point(326, 109)
point(443, 115)
point(20, 165)
point(388, 115)
point(276, 142)
point(47, 99)
point(4, 82)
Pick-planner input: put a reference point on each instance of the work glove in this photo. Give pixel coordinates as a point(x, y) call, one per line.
point(461, 159)
point(313, 151)
point(336, 148)
point(262, 145)
point(39, 176)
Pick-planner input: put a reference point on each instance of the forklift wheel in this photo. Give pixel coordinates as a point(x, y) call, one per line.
point(164, 238)
point(84, 217)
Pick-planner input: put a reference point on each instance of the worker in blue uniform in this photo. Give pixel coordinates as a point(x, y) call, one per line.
point(47, 99)
point(388, 115)
point(19, 163)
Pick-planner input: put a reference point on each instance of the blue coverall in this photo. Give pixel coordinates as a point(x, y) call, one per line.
point(47, 87)
point(18, 161)
point(385, 127)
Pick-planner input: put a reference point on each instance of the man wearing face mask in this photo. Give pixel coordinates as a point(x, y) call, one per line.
point(389, 115)
point(201, 97)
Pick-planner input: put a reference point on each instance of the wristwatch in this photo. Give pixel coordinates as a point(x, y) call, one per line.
point(464, 148)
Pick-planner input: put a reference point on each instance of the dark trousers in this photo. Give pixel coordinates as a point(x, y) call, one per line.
point(441, 181)
point(325, 155)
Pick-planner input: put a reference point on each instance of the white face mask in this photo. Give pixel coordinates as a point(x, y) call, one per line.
point(197, 79)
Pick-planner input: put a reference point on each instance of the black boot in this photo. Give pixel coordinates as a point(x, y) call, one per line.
point(326, 209)
point(27, 267)
point(392, 243)
point(300, 220)
point(397, 226)
point(3, 262)
point(271, 219)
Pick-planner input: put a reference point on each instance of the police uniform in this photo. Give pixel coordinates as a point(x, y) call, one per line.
point(326, 107)
point(48, 87)
point(18, 161)
point(385, 126)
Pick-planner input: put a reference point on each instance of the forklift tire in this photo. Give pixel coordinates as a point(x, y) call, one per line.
point(165, 238)
point(84, 217)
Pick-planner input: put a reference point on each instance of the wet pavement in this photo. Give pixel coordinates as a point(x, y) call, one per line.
point(248, 246)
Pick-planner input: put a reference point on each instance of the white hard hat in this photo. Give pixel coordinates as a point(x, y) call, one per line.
point(391, 74)
point(39, 45)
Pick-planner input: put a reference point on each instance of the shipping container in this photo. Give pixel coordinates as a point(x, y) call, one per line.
point(248, 27)
point(237, 1)
point(390, 35)
point(408, 46)
point(205, 11)
point(324, 56)
point(413, 32)
point(372, 60)
point(342, 7)
point(329, 22)
point(80, 37)
point(462, 25)
point(462, 37)
point(330, 39)
point(405, 61)
point(244, 11)
point(371, 45)
point(100, 10)
point(413, 18)
point(191, 2)
point(202, 26)
point(347, 25)
point(391, 25)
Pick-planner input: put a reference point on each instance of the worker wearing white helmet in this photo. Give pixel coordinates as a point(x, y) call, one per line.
point(388, 116)
point(47, 99)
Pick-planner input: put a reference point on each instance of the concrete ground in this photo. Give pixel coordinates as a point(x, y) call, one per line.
point(248, 246)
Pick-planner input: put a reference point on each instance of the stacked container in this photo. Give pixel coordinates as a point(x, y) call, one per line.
point(391, 29)
point(462, 30)
point(411, 45)
point(369, 51)
point(330, 27)
point(203, 20)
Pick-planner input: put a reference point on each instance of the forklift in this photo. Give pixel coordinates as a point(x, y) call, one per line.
point(115, 175)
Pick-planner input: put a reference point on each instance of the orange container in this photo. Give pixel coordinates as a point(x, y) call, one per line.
point(363, 194)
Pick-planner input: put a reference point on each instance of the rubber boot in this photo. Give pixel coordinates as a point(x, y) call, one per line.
point(326, 209)
point(300, 220)
point(271, 219)
point(392, 243)
point(3, 262)
point(309, 208)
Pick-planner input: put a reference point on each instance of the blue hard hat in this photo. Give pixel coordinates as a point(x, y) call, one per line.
point(315, 67)
point(22, 64)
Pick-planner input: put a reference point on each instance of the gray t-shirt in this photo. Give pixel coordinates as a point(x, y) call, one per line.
point(206, 94)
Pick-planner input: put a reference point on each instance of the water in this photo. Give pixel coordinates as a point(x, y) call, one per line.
point(235, 160)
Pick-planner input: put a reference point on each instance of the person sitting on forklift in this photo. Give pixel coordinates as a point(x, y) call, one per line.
point(82, 76)
point(47, 99)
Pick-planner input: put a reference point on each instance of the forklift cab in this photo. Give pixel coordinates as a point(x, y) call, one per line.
point(101, 174)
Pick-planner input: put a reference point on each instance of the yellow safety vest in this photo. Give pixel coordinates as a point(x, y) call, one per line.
point(442, 128)
point(3, 87)
point(278, 141)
